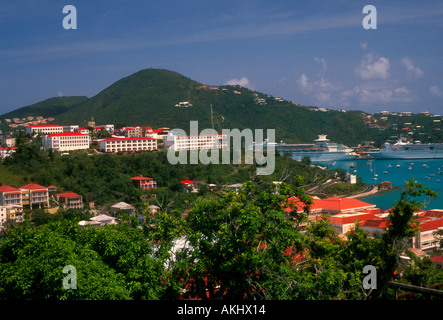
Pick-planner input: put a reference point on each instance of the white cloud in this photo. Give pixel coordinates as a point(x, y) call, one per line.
point(368, 94)
point(364, 45)
point(371, 68)
point(60, 94)
point(321, 61)
point(417, 72)
point(303, 83)
point(435, 91)
point(244, 82)
point(321, 90)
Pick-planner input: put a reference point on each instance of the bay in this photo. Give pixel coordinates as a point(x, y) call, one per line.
point(429, 172)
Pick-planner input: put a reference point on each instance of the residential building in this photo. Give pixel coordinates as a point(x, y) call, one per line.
point(144, 183)
point(98, 221)
point(122, 206)
point(6, 151)
point(183, 104)
point(189, 186)
point(66, 141)
point(127, 144)
point(234, 187)
point(69, 200)
point(10, 213)
point(83, 130)
point(132, 132)
point(107, 127)
point(329, 206)
point(44, 129)
point(70, 128)
point(10, 196)
point(2, 215)
point(34, 194)
point(428, 223)
point(8, 142)
point(195, 142)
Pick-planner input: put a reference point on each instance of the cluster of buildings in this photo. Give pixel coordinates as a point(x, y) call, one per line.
point(13, 200)
point(344, 213)
point(126, 139)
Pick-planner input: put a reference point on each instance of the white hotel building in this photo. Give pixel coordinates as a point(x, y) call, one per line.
point(195, 142)
point(114, 145)
point(44, 129)
point(66, 141)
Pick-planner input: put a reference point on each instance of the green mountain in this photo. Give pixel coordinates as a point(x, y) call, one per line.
point(148, 98)
point(47, 108)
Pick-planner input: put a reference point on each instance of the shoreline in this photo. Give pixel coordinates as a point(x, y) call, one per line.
point(373, 190)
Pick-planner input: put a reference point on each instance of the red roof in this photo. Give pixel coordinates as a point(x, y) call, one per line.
point(32, 186)
point(377, 223)
point(330, 203)
point(68, 195)
point(45, 126)
point(337, 219)
point(67, 134)
point(437, 259)
point(187, 181)
point(135, 138)
point(140, 178)
point(8, 189)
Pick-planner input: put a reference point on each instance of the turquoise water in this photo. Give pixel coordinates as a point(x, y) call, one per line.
point(397, 176)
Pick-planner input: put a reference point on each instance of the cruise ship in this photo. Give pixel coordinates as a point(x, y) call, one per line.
point(322, 151)
point(408, 150)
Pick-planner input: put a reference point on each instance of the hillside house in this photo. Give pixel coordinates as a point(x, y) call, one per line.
point(34, 194)
point(189, 186)
point(144, 183)
point(69, 200)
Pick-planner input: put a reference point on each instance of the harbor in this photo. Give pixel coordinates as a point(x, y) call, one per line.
point(429, 172)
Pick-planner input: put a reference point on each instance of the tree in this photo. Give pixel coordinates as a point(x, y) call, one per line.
point(240, 245)
point(401, 229)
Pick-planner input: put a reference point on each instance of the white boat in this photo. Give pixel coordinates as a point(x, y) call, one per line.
point(407, 150)
point(323, 150)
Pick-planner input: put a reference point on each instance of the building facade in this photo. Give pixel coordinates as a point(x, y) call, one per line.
point(66, 141)
point(195, 142)
point(10, 196)
point(6, 151)
point(144, 183)
point(44, 129)
point(114, 145)
point(69, 200)
point(34, 195)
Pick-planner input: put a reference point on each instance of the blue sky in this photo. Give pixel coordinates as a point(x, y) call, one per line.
point(311, 52)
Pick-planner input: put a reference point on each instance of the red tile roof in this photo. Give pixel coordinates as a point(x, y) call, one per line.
point(67, 134)
point(32, 186)
point(437, 259)
point(44, 126)
point(140, 178)
point(68, 195)
point(135, 138)
point(377, 223)
point(331, 204)
point(8, 189)
point(187, 181)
